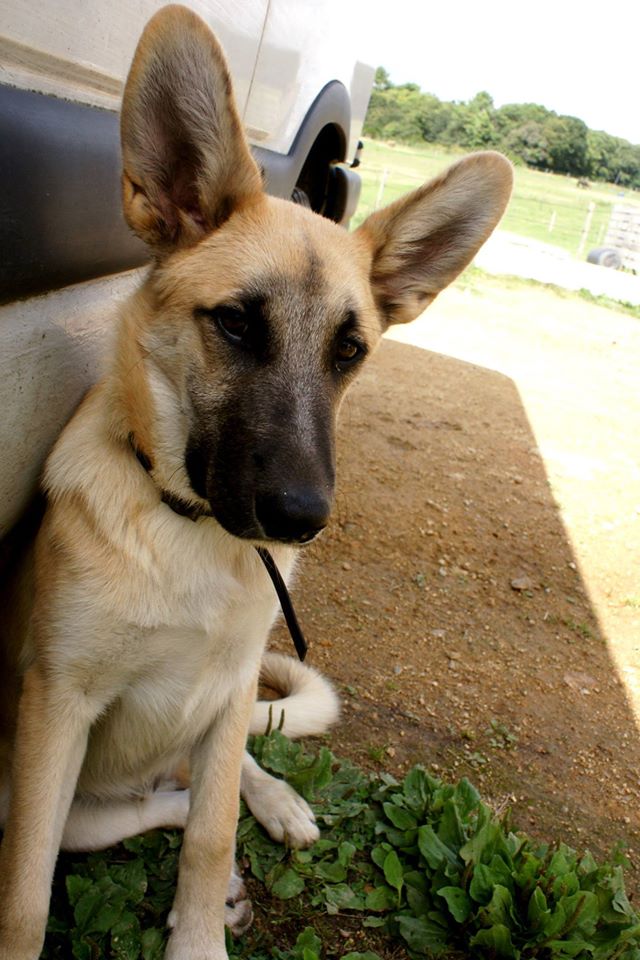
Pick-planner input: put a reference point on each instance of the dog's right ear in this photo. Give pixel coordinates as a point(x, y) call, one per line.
point(186, 162)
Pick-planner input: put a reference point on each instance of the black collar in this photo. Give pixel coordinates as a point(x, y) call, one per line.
point(194, 511)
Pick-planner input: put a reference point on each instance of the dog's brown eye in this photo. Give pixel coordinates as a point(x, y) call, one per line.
point(232, 322)
point(347, 350)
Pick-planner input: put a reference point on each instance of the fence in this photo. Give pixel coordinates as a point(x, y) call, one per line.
point(547, 208)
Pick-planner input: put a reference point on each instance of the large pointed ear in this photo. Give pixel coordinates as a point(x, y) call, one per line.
point(186, 162)
point(421, 242)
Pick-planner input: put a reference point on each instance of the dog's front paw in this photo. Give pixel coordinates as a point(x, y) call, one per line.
point(286, 816)
point(238, 912)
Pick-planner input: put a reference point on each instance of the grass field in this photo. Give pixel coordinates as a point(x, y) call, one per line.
point(545, 206)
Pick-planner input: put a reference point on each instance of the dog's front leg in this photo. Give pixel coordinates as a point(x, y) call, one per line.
point(51, 739)
point(209, 839)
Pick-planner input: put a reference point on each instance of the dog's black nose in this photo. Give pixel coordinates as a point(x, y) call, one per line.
point(293, 515)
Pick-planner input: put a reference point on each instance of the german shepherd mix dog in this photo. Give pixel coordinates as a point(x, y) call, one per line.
point(212, 433)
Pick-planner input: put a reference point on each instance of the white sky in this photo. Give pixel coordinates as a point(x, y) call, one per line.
point(578, 58)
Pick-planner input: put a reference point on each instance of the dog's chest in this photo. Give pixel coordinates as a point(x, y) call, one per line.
point(181, 675)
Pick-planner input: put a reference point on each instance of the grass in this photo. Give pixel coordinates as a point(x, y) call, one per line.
point(477, 280)
point(545, 207)
point(414, 868)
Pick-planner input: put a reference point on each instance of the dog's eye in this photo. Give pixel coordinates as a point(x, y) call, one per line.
point(232, 322)
point(347, 351)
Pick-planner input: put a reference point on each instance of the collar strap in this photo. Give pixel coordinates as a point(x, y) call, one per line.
point(194, 511)
point(295, 630)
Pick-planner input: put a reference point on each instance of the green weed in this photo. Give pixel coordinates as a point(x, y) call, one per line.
point(415, 867)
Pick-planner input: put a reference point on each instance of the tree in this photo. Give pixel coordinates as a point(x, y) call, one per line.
point(527, 131)
point(567, 144)
point(382, 80)
point(529, 143)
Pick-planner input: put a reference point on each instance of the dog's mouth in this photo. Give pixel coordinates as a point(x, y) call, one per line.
point(259, 509)
point(284, 516)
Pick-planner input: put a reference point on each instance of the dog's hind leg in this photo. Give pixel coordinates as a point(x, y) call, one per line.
point(282, 812)
point(95, 826)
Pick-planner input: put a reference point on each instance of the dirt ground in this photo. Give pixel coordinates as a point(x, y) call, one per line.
point(477, 596)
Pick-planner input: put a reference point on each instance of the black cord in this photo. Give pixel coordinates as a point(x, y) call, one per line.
point(295, 630)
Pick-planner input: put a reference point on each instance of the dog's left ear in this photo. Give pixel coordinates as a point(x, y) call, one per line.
point(420, 243)
point(186, 162)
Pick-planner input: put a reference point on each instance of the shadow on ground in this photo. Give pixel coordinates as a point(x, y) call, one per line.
point(446, 603)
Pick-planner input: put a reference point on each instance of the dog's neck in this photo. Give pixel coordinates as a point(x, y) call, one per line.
point(194, 511)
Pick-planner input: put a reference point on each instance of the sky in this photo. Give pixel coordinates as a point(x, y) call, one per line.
point(581, 59)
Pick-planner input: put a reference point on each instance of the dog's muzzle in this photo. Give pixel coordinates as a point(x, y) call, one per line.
point(292, 515)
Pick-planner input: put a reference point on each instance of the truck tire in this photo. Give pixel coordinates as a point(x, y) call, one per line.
point(605, 257)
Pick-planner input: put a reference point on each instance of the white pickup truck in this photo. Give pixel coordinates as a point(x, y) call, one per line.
point(66, 256)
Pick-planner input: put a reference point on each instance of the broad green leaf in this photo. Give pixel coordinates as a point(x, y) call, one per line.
point(393, 871)
point(587, 865)
point(81, 950)
point(381, 899)
point(286, 883)
point(482, 883)
point(560, 863)
point(466, 797)
point(367, 955)
point(400, 817)
point(76, 887)
point(537, 910)
point(499, 910)
point(308, 940)
point(152, 943)
point(498, 940)
point(125, 938)
point(346, 850)
point(314, 777)
point(527, 872)
point(457, 901)
point(342, 897)
point(379, 854)
point(568, 948)
point(418, 901)
point(489, 841)
point(333, 872)
point(423, 935)
point(450, 829)
point(433, 849)
point(582, 911)
point(133, 877)
point(418, 788)
point(566, 885)
point(620, 901)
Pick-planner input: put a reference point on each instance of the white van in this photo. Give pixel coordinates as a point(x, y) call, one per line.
point(66, 256)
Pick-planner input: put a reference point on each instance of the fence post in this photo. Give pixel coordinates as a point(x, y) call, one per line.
point(586, 228)
point(383, 180)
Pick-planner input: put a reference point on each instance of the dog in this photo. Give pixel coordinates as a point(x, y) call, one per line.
point(138, 618)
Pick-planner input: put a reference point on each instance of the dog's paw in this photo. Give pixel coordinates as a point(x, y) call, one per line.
point(286, 817)
point(238, 912)
point(238, 916)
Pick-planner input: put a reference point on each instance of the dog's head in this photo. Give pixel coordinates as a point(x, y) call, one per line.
point(258, 313)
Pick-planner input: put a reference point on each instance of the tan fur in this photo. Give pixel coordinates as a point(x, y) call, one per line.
point(147, 629)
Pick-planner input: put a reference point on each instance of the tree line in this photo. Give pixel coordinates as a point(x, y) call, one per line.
point(526, 132)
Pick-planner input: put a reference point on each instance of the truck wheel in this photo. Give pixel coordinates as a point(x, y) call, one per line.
point(605, 257)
